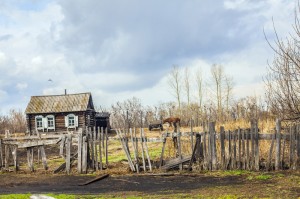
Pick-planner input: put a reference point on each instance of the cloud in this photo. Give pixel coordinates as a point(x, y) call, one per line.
point(118, 49)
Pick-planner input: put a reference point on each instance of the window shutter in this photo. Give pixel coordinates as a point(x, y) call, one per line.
point(76, 121)
point(45, 122)
point(66, 121)
point(53, 122)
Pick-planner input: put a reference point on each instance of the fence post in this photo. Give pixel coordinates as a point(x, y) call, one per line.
point(84, 153)
point(278, 144)
point(213, 145)
point(79, 161)
point(222, 136)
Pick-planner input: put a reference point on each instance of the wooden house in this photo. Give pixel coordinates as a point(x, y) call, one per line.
point(60, 112)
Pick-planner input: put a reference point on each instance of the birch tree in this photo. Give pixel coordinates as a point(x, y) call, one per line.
point(175, 84)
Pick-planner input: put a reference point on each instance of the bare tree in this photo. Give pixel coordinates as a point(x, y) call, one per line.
point(187, 85)
point(282, 80)
point(228, 91)
point(199, 81)
point(218, 78)
point(175, 84)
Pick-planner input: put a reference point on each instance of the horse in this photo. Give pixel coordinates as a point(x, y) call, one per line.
point(172, 120)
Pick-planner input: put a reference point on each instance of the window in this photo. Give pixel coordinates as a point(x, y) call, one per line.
point(71, 121)
point(39, 122)
point(50, 122)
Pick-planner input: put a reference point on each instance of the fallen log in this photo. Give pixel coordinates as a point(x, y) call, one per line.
point(94, 180)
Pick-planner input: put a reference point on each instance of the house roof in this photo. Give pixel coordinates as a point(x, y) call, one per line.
point(59, 103)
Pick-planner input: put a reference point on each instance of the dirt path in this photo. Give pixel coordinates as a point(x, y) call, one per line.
point(145, 185)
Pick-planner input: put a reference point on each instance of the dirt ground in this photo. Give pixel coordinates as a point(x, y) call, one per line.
point(278, 185)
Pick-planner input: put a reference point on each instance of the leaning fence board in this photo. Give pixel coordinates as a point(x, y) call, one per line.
point(95, 180)
point(175, 163)
point(1, 155)
point(222, 136)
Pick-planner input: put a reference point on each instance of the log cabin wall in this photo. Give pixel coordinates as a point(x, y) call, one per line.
point(59, 119)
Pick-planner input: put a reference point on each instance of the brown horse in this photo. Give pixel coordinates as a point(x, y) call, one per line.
point(172, 120)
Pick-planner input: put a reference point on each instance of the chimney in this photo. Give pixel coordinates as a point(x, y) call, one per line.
point(65, 91)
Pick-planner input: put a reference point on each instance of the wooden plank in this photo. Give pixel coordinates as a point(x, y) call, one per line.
point(247, 150)
point(243, 151)
point(256, 146)
point(84, 154)
point(95, 180)
point(222, 143)
point(63, 165)
point(15, 157)
point(229, 159)
point(106, 147)
point(278, 145)
point(233, 163)
point(283, 150)
point(68, 154)
point(162, 153)
point(92, 148)
point(192, 135)
point(176, 162)
point(30, 158)
point(79, 152)
point(239, 166)
point(96, 165)
point(62, 145)
point(179, 146)
point(134, 151)
point(143, 157)
point(193, 157)
point(100, 147)
point(205, 152)
point(213, 146)
point(1, 155)
point(298, 147)
point(252, 146)
point(44, 158)
point(147, 152)
point(126, 150)
point(269, 163)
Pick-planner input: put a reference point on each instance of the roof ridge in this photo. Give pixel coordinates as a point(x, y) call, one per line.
point(62, 94)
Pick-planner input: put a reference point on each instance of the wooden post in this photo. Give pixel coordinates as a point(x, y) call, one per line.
point(1, 155)
point(106, 147)
point(91, 141)
point(283, 150)
point(62, 145)
point(134, 150)
point(213, 145)
point(123, 142)
point(229, 159)
point(68, 153)
point(136, 147)
point(222, 136)
point(256, 144)
point(233, 163)
point(143, 157)
point(84, 154)
point(6, 160)
point(79, 160)
point(247, 149)
point(252, 145)
point(147, 152)
point(291, 154)
point(15, 157)
point(243, 151)
point(44, 158)
point(192, 135)
point(278, 144)
point(204, 151)
point(193, 157)
point(30, 158)
point(96, 165)
point(100, 147)
point(269, 163)
point(239, 166)
point(162, 153)
point(179, 145)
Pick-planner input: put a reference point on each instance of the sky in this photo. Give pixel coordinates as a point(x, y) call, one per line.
point(117, 49)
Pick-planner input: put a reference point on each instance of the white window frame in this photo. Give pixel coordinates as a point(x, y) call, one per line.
point(50, 117)
point(36, 122)
point(67, 119)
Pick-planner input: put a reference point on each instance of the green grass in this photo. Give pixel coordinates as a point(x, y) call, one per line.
point(259, 177)
point(66, 196)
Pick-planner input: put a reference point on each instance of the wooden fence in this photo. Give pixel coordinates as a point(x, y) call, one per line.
point(216, 149)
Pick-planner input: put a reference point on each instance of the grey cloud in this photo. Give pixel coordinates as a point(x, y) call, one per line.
point(151, 36)
point(5, 37)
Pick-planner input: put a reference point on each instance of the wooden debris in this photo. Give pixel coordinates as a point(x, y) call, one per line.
point(95, 180)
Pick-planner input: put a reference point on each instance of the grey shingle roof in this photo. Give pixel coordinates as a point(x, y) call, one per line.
point(58, 103)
